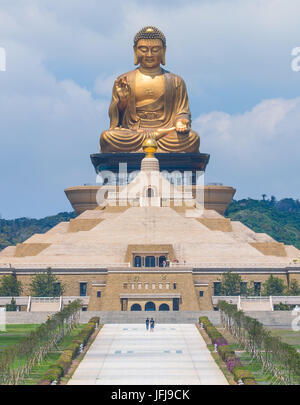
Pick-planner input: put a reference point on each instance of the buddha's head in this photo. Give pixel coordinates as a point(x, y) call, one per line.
point(149, 47)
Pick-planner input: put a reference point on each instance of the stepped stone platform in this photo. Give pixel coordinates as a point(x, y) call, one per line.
point(150, 247)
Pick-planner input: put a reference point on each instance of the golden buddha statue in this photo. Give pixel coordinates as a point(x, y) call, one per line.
point(149, 102)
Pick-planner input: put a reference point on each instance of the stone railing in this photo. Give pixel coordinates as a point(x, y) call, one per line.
point(19, 300)
point(27, 300)
point(45, 299)
point(75, 266)
point(68, 299)
point(274, 299)
point(231, 265)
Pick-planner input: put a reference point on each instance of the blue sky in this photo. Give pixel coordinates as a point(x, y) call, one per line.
point(62, 59)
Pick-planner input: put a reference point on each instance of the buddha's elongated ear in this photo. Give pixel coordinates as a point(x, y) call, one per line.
point(136, 61)
point(163, 59)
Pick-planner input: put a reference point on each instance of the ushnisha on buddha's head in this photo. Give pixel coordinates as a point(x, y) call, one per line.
point(149, 48)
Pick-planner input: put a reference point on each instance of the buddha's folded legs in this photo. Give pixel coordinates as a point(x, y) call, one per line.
point(127, 140)
point(175, 142)
point(121, 140)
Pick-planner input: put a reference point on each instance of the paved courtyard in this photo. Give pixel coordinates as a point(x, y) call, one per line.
point(174, 354)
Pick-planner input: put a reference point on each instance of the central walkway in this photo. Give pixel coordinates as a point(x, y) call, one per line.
point(174, 354)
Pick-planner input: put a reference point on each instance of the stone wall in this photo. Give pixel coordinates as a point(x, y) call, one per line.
point(272, 319)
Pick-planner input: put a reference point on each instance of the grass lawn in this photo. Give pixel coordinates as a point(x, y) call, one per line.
point(255, 367)
point(252, 365)
point(288, 336)
point(262, 378)
point(38, 371)
point(14, 333)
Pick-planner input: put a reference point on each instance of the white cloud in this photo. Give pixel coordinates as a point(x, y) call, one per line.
point(256, 151)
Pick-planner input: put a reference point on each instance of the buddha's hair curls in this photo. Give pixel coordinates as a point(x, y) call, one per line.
point(149, 32)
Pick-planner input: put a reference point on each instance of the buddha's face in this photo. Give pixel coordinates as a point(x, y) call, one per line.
point(149, 53)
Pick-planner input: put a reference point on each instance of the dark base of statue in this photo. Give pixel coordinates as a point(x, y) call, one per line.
point(170, 162)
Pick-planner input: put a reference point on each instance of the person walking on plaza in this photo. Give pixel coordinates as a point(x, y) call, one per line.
point(147, 323)
point(152, 322)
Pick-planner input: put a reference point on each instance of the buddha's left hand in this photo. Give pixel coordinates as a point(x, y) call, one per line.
point(182, 125)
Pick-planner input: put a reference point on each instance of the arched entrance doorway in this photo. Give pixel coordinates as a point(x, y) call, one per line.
point(150, 306)
point(150, 192)
point(164, 307)
point(135, 307)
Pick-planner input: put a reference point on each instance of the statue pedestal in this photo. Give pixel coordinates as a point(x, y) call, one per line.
point(170, 162)
point(216, 197)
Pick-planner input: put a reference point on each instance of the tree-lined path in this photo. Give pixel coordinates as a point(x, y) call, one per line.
point(128, 354)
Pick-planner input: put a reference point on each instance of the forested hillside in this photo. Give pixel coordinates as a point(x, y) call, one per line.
point(14, 231)
point(279, 219)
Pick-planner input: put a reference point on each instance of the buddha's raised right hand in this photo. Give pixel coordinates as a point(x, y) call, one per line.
point(123, 91)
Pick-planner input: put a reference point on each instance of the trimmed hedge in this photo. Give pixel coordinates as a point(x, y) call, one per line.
point(61, 366)
point(241, 373)
point(212, 331)
point(206, 322)
point(228, 355)
point(225, 352)
point(249, 381)
point(54, 373)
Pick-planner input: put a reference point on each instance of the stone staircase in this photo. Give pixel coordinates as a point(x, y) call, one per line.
point(44, 307)
point(256, 304)
point(158, 316)
point(44, 304)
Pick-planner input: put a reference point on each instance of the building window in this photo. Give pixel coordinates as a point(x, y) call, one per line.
point(84, 309)
point(124, 302)
point(217, 288)
point(243, 288)
point(150, 261)
point(82, 289)
point(257, 288)
point(150, 192)
point(135, 307)
point(57, 288)
point(174, 286)
point(162, 261)
point(153, 286)
point(146, 286)
point(150, 306)
point(125, 285)
point(201, 293)
point(98, 294)
point(175, 304)
point(160, 286)
point(132, 286)
point(167, 286)
point(139, 286)
point(137, 261)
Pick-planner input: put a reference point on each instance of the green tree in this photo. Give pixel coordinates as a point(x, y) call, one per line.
point(46, 285)
point(12, 306)
point(294, 288)
point(10, 286)
point(231, 284)
point(274, 286)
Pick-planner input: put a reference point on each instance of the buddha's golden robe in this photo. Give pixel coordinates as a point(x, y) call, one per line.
point(125, 133)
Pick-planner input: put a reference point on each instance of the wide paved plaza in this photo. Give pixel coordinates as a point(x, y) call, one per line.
point(128, 354)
